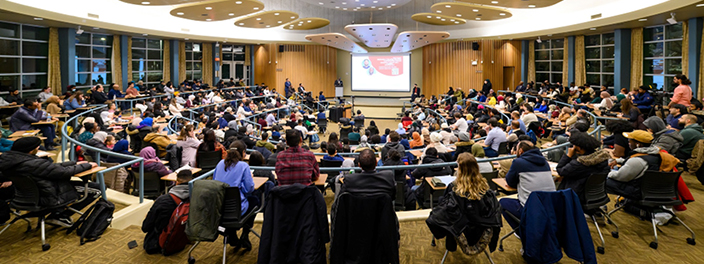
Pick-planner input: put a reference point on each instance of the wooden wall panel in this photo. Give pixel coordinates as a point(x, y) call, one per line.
point(315, 66)
point(450, 64)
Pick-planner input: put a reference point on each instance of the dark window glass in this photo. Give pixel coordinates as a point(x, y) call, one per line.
point(154, 54)
point(239, 57)
point(102, 52)
point(154, 66)
point(556, 66)
point(542, 55)
point(154, 76)
point(83, 39)
point(154, 44)
point(655, 66)
point(8, 30)
point(138, 65)
point(653, 49)
point(593, 53)
point(673, 66)
point(104, 40)
point(139, 43)
point(82, 51)
point(557, 54)
point(674, 31)
point(607, 79)
point(607, 52)
point(556, 77)
point(227, 56)
point(673, 49)
point(593, 79)
point(9, 47)
point(557, 43)
point(34, 65)
point(138, 54)
point(31, 82)
point(83, 79)
point(653, 33)
point(593, 66)
point(594, 40)
point(189, 66)
point(35, 49)
point(9, 81)
point(9, 65)
point(608, 39)
point(83, 65)
point(37, 33)
point(197, 65)
point(607, 66)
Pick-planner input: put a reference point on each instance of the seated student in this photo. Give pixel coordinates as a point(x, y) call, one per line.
point(625, 181)
point(354, 136)
point(122, 146)
point(54, 105)
point(98, 141)
point(691, 134)
point(257, 159)
point(332, 154)
point(494, 138)
point(31, 112)
point(160, 140)
point(152, 162)
point(460, 124)
point(369, 181)
point(160, 213)
point(529, 172)
point(582, 160)
point(417, 141)
point(271, 161)
point(13, 97)
point(665, 138)
point(90, 130)
point(75, 101)
point(233, 171)
point(359, 117)
point(296, 165)
point(431, 156)
point(478, 152)
point(53, 179)
point(463, 145)
point(673, 119)
point(620, 143)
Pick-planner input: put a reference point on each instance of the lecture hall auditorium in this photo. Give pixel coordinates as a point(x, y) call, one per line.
point(365, 131)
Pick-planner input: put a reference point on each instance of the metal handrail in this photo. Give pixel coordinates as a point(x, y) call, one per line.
point(99, 175)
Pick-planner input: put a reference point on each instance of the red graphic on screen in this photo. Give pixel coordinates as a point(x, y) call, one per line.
point(388, 65)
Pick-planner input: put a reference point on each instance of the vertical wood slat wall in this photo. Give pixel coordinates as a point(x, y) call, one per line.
point(315, 66)
point(450, 64)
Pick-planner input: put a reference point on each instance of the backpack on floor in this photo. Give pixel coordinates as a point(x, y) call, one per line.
point(94, 221)
point(173, 239)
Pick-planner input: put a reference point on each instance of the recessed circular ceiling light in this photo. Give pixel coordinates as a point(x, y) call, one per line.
point(429, 16)
point(38, 18)
point(643, 19)
point(494, 2)
point(208, 8)
point(259, 18)
point(231, 14)
point(457, 22)
point(320, 3)
point(186, 38)
point(256, 8)
point(373, 6)
point(145, 34)
point(344, 3)
point(96, 28)
point(475, 10)
point(381, 8)
point(362, 4)
point(279, 22)
point(146, 3)
point(502, 14)
point(479, 18)
point(180, 13)
point(309, 21)
point(268, 26)
point(293, 17)
point(531, 6)
point(452, 20)
point(592, 29)
point(437, 17)
point(438, 11)
point(448, 6)
point(388, 6)
point(459, 15)
point(208, 19)
point(337, 7)
point(442, 19)
point(344, 8)
point(238, 2)
point(241, 24)
point(393, 4)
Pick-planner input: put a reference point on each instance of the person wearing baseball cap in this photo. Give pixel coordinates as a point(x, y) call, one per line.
point(52, 179)
point(645, 157)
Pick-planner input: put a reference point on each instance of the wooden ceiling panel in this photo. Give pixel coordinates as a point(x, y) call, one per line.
point(336, 40)
point(379, 35)
point(438, 19)
point(515, 3)
point(217, 10)
point(410, 40)
point(470, 11)
point(267, 19)
point(307, 23)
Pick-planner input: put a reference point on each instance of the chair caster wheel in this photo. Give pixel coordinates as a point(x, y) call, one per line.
point(691, 241)
point(654, 245)
point(191, 260)
point(432, 243)
point(501, 248)
point(614, 234)
point(600, 250)
point(46, 247)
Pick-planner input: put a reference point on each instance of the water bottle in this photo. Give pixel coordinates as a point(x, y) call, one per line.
point(48, 117)
point(351, 171)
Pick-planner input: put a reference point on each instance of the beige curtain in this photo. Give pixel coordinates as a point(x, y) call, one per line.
point(181, 60)
point(166, 77)
point(54, 71)
point(207, 59)
point(700, 87)
point(565, 62)
point(531, 61)
point(685, 47)
point(129, 59)
point(580, 72)
point(116, 62)
point(636, 58)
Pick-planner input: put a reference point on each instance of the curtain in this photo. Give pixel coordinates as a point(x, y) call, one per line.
point(565, 63)
point(636, 58)
point(531, 60)
point(54, 61)
point(129, 59)
point(685, 47)
point(207, 59)
point(700, 87)
point(181, 60)
point(116, 62)
point(580, 72)
point(166, 77)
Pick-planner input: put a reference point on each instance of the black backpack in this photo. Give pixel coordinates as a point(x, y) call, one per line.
point(94, 221)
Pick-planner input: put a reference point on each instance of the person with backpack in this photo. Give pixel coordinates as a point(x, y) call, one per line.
point(159, 215)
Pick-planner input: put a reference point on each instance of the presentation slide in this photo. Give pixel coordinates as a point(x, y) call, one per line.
point(381, 72)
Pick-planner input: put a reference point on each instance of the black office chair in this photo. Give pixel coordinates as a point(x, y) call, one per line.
point(153, 185)
point(503, 148)
point(344, 131)
point(330, 175)
point(481, 245)
point(359, 124)
point(400, 199)
point(230, 218)
point(323, 125)
point(489, 176)
point(659, 189)
point(354, 142)
point(27, 199)
point(208, 160)
point(594, 198)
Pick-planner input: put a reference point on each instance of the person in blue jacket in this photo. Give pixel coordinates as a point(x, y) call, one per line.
point(75, 101)
point(543, 108)
point(5, 144)
point(643, 100)
point(332, 154)
point(529, 172)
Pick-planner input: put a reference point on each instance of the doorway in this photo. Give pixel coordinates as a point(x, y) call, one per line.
point(509, 79)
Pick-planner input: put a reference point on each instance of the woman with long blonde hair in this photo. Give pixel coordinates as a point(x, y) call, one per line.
point(469, 183)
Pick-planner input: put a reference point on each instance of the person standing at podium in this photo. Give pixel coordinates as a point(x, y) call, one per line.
point(338, 82)
point(415, 93)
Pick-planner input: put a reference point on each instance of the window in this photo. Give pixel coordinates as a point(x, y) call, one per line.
point(548, 60)
point(93, 54)
point(194, 62)
point(599, 53)
point(662, 52)
point(23, 58)
point(233, 53)
point(147, 61)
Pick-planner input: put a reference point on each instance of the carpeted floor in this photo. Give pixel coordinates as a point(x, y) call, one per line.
point(632, 246)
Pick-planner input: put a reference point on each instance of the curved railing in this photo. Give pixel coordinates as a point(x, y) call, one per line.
point(66, 140)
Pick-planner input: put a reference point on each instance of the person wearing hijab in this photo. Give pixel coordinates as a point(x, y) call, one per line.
point(478, 152)
point(401, 130)
point(151, 162)
point(425, 135)
point(435, 140)
point(486, 88)
point(90, 129)
point(605, 101)
point(98, 141)
point(122, 146)
point(417, 141)
point(86, 120)
point(463, 145)
point(147, 122)
point(373, 129)
point(53, 106)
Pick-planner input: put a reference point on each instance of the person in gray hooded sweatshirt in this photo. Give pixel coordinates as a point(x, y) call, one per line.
point(663, 137)
point(158, 217)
